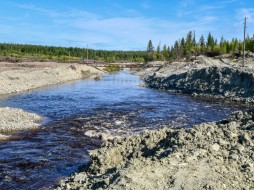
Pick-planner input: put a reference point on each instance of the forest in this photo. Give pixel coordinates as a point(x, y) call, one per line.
point(189, 46)
point(185, 47)
point(69, 53)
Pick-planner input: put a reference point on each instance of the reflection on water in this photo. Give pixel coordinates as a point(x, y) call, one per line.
point(36, 159)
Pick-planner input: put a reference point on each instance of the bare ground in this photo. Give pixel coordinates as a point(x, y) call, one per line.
point(20, 77)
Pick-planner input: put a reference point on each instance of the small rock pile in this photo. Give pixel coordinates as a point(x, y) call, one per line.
point(215, 155)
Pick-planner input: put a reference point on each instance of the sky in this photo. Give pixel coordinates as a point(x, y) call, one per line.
point(120, 24)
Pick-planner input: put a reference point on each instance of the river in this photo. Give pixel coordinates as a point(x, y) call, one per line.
point(37, 159)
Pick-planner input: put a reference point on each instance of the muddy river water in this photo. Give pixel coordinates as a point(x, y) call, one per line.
point(37, 159)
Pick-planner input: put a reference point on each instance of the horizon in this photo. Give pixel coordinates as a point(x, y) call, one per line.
point(121, 25)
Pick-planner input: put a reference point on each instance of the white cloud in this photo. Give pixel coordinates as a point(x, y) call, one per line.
point(130, 30)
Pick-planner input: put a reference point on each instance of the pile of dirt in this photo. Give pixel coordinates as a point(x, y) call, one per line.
point(215, 155)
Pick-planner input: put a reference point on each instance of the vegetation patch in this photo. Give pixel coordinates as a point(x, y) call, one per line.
point(112, 68)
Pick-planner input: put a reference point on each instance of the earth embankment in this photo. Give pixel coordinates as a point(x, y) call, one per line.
point(212, 79)
point(27, 76)
point(216, 155)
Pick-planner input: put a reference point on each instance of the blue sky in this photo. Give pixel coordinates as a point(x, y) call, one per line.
point(120, 24)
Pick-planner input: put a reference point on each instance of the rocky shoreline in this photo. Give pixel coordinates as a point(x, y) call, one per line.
point(233, 84)
point(209, 78)
point(215, 155)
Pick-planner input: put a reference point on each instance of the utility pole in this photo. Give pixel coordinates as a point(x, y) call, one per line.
point(244, 33)
point(69, 56)
point(86, 53)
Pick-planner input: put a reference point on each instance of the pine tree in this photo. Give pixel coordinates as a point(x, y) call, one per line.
point(150, 47)
point(165, 52)
point(202, 44)
point(150, 52)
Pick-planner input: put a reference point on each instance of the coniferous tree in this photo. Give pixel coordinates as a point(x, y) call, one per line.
point(158, 52)
point(165, 52)
point(150, 47)
point(202, 44)
point(150, 52)
point(176, 50)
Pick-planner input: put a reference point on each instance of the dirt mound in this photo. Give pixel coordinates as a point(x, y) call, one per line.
point(208, 156)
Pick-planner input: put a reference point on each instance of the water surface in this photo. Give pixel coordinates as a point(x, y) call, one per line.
point(36, 159)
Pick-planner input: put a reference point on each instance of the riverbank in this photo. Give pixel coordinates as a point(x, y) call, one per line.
point(20, 77)
point(205, 77)
point(215, 155)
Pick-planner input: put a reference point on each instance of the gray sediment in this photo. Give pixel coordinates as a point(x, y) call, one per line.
point(14, 119)
point(224, 83)
point(215, 155)
point(14, 81)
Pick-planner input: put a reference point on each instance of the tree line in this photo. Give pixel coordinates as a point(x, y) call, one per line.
point(185, 47)
point(66, 53)
point(188, 47)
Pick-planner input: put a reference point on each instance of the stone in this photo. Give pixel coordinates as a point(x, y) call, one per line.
point(117, 122)
point(79, 178)
point(91, 133)
point(234, 156)
point(223, 142)
point(106, 136)
point(215, 147)
point(239, 147)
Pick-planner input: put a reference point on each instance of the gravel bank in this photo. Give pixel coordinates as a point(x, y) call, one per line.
point(216, 155)
point(13, 119)
point(27, 78)
point(212, 79)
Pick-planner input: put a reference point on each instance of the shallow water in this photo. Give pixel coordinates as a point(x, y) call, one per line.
point(37, 159)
